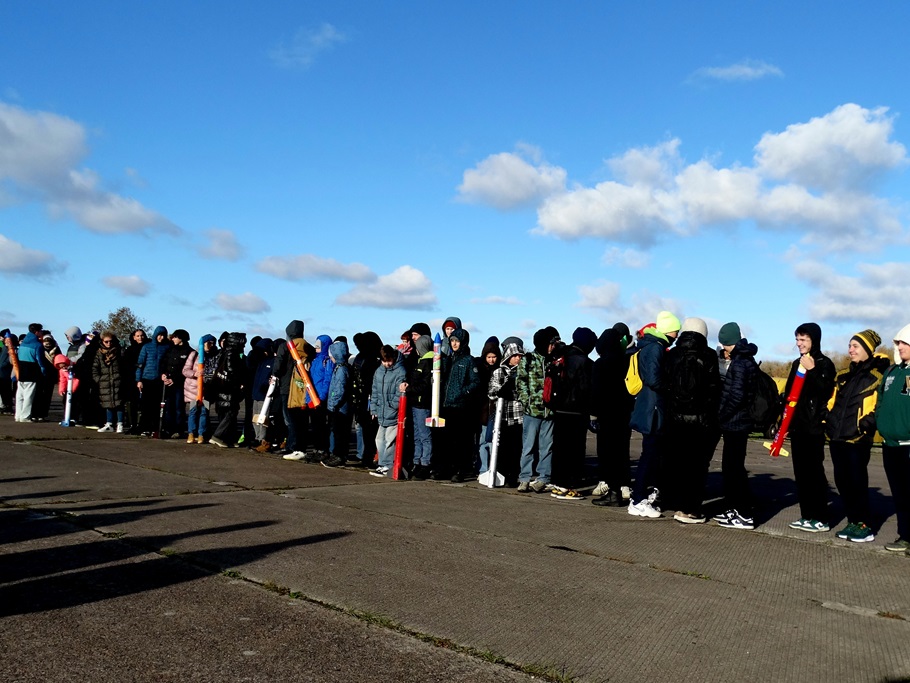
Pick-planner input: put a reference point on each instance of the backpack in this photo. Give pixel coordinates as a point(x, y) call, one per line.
point(554, 382)
point(360, 393)
point(766, 403)
point(688, 388)
point(633, 379)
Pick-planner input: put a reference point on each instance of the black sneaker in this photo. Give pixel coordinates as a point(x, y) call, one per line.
point(613, 499)
point(737, 521)
point(313, 457)
point(438, 476)
point(333, 461)
point(421, 472)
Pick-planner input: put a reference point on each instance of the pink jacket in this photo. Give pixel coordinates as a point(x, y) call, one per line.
point(63, 372)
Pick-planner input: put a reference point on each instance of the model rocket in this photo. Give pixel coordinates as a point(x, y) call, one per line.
point(434, 420)
point(68, 410)
point(200, 367)
point(304, 375)
point(795, 390)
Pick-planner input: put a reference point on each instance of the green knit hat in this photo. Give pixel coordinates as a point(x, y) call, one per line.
point(729, 334)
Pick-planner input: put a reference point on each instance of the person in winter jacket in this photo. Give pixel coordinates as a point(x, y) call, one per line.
point(230, 373)
point(7, 403)
point(107, 369)
point(449, 325)
point(537, 419)
point(736, 397)
point(284, 371)
point(338, 404)
point(171, 368)
point(807, 429)
point(138, 339)
point(850, 427)
point(363, 367)
point(649, 413)
point(259, 371)
point(892, 417)
point(502, 386)
point(44, 396)
point(321, 366)
point(31, 372)
point(693, 395)
point(148, 379)
point(419, 389)
point(490, 357)
point(197, 419)
point(612, 408)
point(456, 445)
point(572, 411)
point(384, 400)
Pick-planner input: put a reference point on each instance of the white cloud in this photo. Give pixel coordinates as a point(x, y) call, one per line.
point(405, 287)
point(307, 44)
point(498, 301)
point(877, 295)
point(603, 294)
point(128, 285)
point(507, 180)
point(746, 70)
point(242, 303)
point(812, 179)
point(625, 258)
point(312, 267)
point(846, 149)
point(222, 245)
point(17, 259)
point(39, 152)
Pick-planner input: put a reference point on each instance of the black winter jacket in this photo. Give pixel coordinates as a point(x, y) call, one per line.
point(738, 390)
point(696, 406)
point(850, 416)
point(610, 400)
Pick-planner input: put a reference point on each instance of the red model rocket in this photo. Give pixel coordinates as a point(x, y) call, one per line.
point(776, 446)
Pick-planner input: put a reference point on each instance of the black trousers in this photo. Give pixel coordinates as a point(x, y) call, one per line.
point(736, 478)
point(897, 468)
point(851, 476)
point(808, 455)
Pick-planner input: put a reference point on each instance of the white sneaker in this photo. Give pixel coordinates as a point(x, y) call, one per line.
point(119, 429)
point(643, 509)
point(296, 455)
point(601, 489)
point(108, 427)
point(380, 472)
point(626, 493)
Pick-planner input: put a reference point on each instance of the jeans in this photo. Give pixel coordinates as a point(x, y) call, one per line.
point(115, 412)
point(423, 437)
point(536, 440)
point(486, 445)
point(198, 419)
point(648, 466)
point(385, 445)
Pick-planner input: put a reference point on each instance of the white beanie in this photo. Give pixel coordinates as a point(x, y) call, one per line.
point(695, 325)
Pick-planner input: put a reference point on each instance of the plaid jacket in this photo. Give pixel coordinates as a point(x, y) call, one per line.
point(502, 384)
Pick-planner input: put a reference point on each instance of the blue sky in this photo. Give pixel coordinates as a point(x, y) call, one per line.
point(364, 165)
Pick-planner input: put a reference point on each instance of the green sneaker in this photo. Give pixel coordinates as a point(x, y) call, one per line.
point(862, 533)
point(899, 546)
point(799, 524)
point(847, 532)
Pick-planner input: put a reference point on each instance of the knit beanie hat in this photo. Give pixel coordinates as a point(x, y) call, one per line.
point(729, 334)
point(695, 325)
point(667, 322)
point(584, 338)
point(74, 334)
point(869, 340)
point(903, 335)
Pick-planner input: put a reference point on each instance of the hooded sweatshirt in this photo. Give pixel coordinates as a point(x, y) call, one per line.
point(339, 393)
point(321, 367)
point(445, 349)
point(420, 379)
point(809, 414)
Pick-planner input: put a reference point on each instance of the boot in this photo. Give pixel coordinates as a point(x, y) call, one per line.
point(264, 446)
point(190, 438)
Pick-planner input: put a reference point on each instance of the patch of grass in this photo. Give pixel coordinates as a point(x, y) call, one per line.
point(168, 552)
point(113, 534)
point(232, 574)
point(550, 672)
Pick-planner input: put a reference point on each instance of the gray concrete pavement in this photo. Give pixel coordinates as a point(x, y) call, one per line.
point(112, 548)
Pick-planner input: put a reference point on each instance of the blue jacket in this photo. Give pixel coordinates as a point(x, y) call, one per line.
point(340, 386)
point(150, 356)
point(30, 354)
point(648, 414)
point(464, 378)
point(263, 370)
point(321, 368)
point(385, 394)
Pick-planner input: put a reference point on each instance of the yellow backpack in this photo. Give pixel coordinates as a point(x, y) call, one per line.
point(633, 379)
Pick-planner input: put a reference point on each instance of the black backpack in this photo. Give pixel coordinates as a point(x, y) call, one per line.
point(553, 382)
point(689, 388)
point(766, 402)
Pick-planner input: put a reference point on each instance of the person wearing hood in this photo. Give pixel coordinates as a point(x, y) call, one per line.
point(502, 385)
point(734, 419)
point(572, 412)
point(612, 409)
point(45, 393)
point(455, 448)
point(321, 366)
point(537, 419)
point(649, 413)
point(487, 364)
point(363, 367)
point(419, 391)
point(81, 363)
point(892, 417)
point(384, 402)
point(198, 414)
point(230, 374)
point(338, 405)
point(850, 427)
point(807, 429)
point(284, 371)
point(693, 396)
point(148, 379)
point(449, 325)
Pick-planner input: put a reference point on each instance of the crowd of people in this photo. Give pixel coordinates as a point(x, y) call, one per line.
point(300, 401)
